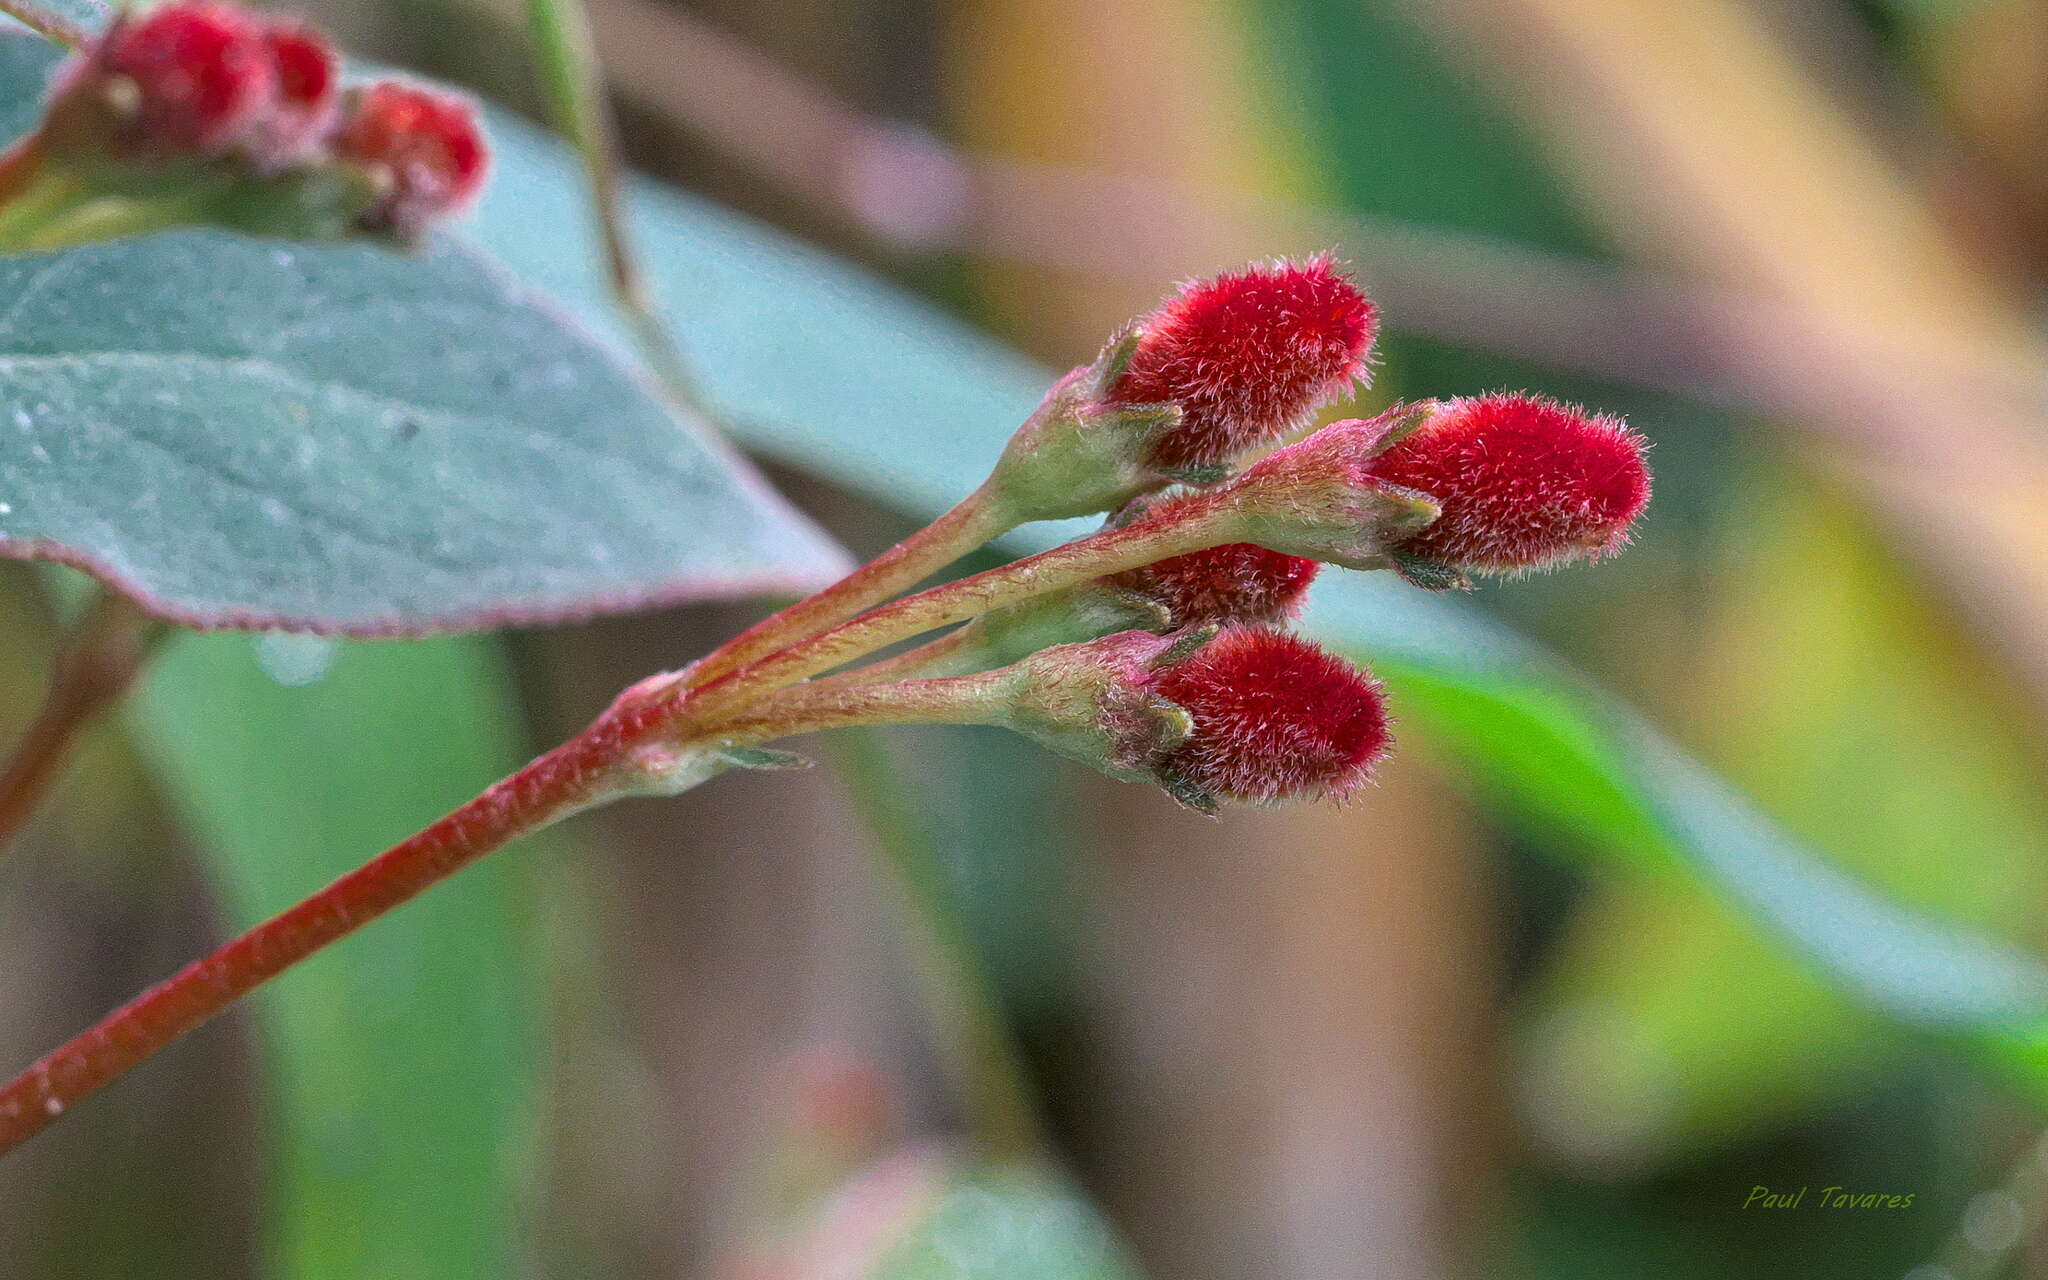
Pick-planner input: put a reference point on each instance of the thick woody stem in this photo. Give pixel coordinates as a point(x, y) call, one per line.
point(99, 660)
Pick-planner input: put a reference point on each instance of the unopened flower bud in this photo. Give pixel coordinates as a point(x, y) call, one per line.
point(1092, 702)
point(1318, 498)
point(183, 79)
point(1247, 356)
point(1237, 582)
point(1226, 365)
point(1077, 454)
point(1524, 483)
point(1248, 714)
point(1274, 718)
point(421, 147)
point(307, 74)
point(201, 114)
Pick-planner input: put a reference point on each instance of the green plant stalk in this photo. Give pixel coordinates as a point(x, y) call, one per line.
point(566, 58)
point(99, 660)
point(35, 198)
point(958, 652)
point(1003, 636)
point(971, 1030)
point(97, 218)
point(573, 79)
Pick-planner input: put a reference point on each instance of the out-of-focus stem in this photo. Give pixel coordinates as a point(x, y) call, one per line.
point(100, 658)
point(967, 1021)
point(574, 80)
point(575, 86)
point(44, 23)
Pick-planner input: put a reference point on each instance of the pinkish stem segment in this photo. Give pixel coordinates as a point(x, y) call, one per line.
point(969, 526)
point(544, 790)
point(100, 660)
point(1100, 555)
point(585, 770)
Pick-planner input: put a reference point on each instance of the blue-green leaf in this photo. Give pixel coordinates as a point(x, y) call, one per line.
point(238, 432)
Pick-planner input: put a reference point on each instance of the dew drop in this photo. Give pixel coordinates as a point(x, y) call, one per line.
point(295, 660)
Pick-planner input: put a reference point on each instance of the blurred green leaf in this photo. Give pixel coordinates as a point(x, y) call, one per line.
point(1844, 699)
point(923, 1213)
point(1708, 1019)
point(998, 1223)
point(402, 1063)
point(344, 438)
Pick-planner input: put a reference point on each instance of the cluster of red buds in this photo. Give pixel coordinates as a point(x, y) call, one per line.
point(1174, 664)
point(201, 113)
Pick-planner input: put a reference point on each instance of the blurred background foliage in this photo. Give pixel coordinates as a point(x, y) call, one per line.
point(1801, 243)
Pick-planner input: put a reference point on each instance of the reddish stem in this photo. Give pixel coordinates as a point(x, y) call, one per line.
point(968, 526)
point(572, 775)
point(17, 166)
point(551, 787)
point(1196, 524)
point(100, 660)
point(546, 789)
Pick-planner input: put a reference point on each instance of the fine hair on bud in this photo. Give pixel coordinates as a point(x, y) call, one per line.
point(185, 77)
point(1248, 356)
point(1523, 483)
point(307, 75)
point(424, 149)
point(1238, 582)
point(1275, 718)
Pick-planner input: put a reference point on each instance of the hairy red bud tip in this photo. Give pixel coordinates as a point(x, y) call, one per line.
point(1523, 482)
point(1248, 356)
point(190, 77)
point(1275, 718)
point(424, 148)
point(1237, 582)
point(308, 76)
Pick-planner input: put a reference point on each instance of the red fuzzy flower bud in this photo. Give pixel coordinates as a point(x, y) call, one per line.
point(424, 149)
point(181, 78)
point(308, 77)
point(1248, 356)
point(1522, 482)
point(1238, 582)
point(1275, 718)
